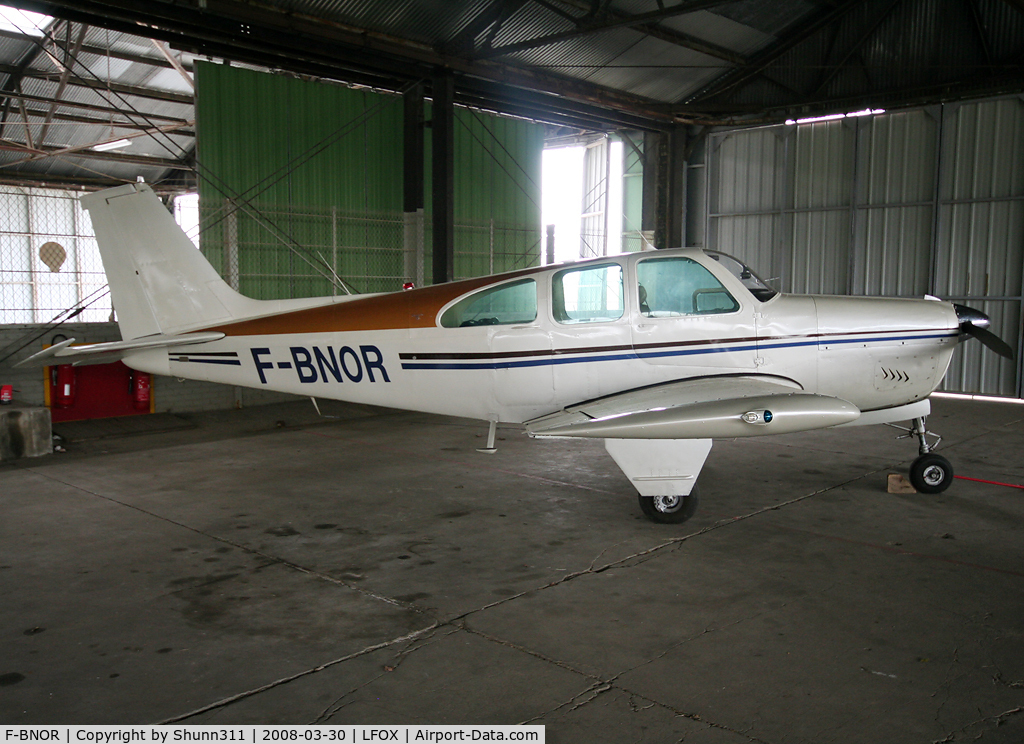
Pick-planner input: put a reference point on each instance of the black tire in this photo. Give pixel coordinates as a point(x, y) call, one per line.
point(670, 509)
point(931, 473)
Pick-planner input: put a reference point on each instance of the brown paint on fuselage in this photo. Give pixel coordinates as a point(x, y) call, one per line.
point(413, 308)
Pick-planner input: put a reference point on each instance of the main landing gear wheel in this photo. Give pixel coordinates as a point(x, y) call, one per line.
point(670, 509)
point(931, 473)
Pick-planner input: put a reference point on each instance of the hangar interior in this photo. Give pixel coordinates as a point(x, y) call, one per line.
point(231, 556)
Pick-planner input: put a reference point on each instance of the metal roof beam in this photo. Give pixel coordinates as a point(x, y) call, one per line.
point(908, 96)
point(672, 36)
point(174, 61)
point(13, 82)
point(111, 156)
point(93, 121)
point(979, 28)
point(95, 108)
point(100, 85)
point(77, 183)
point(798, 33)
point(72, 56)
point(28, 128)
point(266, 36)
point(871, 29)
point(40, 154)
point(583, 29)
point(141, 59)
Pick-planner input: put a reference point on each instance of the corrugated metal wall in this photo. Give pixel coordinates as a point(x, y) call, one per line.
point(926, 201)
point(980, 233)
point(897, 157)
point(747, 217)
point(323, 166)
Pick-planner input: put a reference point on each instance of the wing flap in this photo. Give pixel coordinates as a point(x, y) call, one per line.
point(718, 407)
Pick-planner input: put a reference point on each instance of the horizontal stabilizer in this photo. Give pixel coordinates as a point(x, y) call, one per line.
point(709, 408)
point(65, 353)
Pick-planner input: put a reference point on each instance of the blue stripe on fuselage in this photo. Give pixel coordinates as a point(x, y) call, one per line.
point(550, 360)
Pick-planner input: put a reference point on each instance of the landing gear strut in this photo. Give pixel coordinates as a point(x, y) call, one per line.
point(664, 473)
point(929, 473)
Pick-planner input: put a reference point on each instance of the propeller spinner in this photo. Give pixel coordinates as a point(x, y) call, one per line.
point(975, 323)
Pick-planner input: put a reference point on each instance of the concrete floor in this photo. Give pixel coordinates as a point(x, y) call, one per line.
point(262, 566)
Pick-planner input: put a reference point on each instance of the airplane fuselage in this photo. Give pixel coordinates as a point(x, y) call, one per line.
point(533, 349)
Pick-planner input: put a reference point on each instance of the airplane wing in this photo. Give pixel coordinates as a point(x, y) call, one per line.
point(65, 353)
point(701, 408)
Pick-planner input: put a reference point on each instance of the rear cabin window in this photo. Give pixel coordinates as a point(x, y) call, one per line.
point(515, 302)
point(670, 287)
point(587, 295)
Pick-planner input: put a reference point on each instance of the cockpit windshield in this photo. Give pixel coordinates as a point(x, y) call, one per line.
point(757, 286)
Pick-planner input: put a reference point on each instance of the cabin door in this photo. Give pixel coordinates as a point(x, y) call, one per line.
point(685, 318)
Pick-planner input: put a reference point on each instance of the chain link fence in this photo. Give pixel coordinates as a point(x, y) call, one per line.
point(491, 247)
point(273, 252)
point(281, 252)
point(49, 262)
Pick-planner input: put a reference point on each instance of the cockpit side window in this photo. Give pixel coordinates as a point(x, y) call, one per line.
point(589, 294)
point(671, 287)
point(515, 302)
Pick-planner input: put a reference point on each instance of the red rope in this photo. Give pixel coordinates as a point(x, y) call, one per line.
point(994, 483)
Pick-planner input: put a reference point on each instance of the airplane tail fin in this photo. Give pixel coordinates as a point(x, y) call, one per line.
point(159, 282)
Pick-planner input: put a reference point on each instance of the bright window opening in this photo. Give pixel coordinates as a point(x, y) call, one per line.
point(186, 214)
point(24, 21)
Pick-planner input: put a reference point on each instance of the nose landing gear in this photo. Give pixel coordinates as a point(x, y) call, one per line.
point(929, 473)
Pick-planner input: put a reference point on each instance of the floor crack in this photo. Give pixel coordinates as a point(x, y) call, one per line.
point(600, 685)
point(291, 678)
point(339, 704)
point(1014, 683)
point(998, 720)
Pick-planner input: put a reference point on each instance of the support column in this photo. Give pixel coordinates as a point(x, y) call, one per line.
point(676, 207)
point(443, 186)
point(413, 184)
point(665, 155)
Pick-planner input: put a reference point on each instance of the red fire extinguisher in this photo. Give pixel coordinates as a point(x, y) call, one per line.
point(141, 390)
point(65, 384)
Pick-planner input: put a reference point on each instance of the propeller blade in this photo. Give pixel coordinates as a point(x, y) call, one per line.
point(993, 342)
point(975, 323)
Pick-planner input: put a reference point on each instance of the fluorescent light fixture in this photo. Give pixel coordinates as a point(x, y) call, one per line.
point(833, 117)
point(115, 145)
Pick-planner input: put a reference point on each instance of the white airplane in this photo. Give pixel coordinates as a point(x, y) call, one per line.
point(657, 352)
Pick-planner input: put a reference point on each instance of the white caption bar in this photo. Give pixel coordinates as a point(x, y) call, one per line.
point(266, 734)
